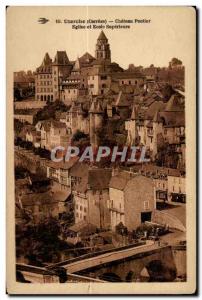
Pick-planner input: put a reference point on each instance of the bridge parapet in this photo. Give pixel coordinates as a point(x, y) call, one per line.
point(94, 254)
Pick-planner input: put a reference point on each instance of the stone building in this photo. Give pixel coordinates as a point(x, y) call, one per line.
point(43, 205)
point(49, 76)
point(76, 84)
point(177, 189)
point(44, 80)
point(44, 128)
point(58, 135)
point(61, 68)
point(59, 173)
point(160, 177)
point(102, 50)
point(91, 195)
point(157, 124)
point(96, 122)
point(132, 200)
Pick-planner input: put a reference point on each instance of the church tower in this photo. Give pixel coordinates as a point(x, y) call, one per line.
point(102, 50)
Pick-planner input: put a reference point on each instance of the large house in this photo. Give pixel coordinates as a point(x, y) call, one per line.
point(91, 195)
point(157, 124)
point(131, 200)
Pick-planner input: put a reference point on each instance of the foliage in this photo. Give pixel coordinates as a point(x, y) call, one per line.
point(78, 136)
point(167, 91)
point(44, 153)
point(176, 61)
point(18, 126)
point(20, 172)
point(49, 111)
point(121, 229)
point(24, 144)
point(40, 242)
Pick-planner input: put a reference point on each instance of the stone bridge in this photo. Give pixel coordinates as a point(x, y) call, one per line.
point(148, 262)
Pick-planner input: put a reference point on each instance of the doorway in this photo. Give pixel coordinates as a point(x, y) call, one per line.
point(145, 216)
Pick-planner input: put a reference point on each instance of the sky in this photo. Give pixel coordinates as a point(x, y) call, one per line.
point(168, 34)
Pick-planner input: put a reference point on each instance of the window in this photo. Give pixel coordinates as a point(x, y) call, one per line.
point(85, 210)
point(146, 204)
point(81, 208)
point(104, 77)
point(84, 217)
point(129, 82)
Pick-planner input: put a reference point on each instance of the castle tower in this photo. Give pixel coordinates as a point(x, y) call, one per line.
point(102, 50)
point(61, 68)
point(96, 122)
point(157, 129)
point(130, 126)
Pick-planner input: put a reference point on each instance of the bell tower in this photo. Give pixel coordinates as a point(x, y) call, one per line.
point(102, 50)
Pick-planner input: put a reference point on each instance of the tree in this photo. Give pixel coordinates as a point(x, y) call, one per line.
point(18, 126)
point(121, 229)
point(49, 111)
point(175, 61)
point(41, 242)
point(78, 136)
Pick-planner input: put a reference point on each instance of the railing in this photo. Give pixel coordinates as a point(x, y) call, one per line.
point(90, 255)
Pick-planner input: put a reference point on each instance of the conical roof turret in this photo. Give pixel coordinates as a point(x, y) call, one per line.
point(102, 36)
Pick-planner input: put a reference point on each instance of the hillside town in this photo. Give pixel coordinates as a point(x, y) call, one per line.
point(71, 210)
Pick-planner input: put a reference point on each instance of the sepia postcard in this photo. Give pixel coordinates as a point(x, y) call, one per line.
point(101, 150)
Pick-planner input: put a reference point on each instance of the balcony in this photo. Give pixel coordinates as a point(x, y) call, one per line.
point(114, 209)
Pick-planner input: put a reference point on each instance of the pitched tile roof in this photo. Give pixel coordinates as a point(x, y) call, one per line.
point(120, 180)
point(61, 58)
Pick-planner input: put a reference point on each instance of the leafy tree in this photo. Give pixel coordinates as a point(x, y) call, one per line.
point(41, 242)
point(78, 136)
point(49, 111)
point(18, 126)
point(121, 229)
